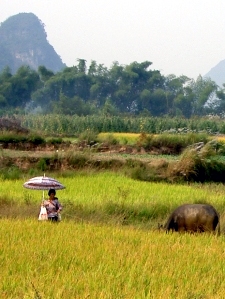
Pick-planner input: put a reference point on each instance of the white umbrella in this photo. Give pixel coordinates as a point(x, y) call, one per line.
point(43, 183)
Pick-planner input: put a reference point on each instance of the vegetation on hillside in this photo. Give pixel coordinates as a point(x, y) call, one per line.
point(23, 41)
point(33, 79)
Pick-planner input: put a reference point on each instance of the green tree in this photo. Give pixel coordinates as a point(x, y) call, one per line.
point(133, 81)
point(109, 109)
point(81, 65)
point(219, 103)
point(71, 106)
point(183, 104)
point(17, 89)
point(100, 84)
point(5, 75)
point(203, 90)
point(44, 73)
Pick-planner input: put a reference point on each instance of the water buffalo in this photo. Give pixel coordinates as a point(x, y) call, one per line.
point(193, 218)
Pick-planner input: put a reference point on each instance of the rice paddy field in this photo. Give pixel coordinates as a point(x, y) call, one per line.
point(122, 138)
point(91, 259)
point(39, 260)
point(96, 190)
point(132, 138)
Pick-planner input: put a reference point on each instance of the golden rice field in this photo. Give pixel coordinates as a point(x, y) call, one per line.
point(133, 137)
point(67, 260)
point(221, 138)
point(122, 138)
point(86, 260)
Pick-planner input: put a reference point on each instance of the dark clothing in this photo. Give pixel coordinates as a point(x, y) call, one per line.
point(55, 218)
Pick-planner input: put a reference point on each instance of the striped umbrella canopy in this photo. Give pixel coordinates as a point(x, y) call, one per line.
point(43, 183)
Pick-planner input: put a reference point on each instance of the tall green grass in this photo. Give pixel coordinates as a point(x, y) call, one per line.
point(100, 187)
point(75, 125)
point(110, 197)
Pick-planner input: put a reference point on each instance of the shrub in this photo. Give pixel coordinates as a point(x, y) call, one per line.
point(142, 173)
point(35, 139)
point(54, 141)
point(42, 164)
point(11, 173)
point(10, 137)
point(198, 165)
point(192, 138)
point(145, 141)
point(12, 125)
point(88, 136)
point(108, 139)
point(76, 160)
point(169, 143)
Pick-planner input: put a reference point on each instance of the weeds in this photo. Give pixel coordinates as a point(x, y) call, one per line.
point(42, 164)
point(10, 173)
point(76, 160)
point(198, 165)
point(88, 136)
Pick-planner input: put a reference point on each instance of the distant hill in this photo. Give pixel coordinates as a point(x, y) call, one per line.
point(23, 41)
point(217, 73)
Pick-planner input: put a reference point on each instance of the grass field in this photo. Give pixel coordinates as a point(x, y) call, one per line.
point(95, 253)
point(114, 194)
point(108, 245)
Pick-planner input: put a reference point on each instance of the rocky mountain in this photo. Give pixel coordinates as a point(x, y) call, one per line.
point(23, 41)
point(217, 73)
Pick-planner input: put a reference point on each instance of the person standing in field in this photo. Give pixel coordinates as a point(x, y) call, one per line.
point(52, 206)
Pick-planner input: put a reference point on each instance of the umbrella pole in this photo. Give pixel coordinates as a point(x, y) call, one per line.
point(43, 194)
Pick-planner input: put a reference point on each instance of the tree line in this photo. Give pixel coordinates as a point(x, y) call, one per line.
point(133, 89)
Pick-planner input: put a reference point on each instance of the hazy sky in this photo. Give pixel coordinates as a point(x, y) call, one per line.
point(183, 37)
